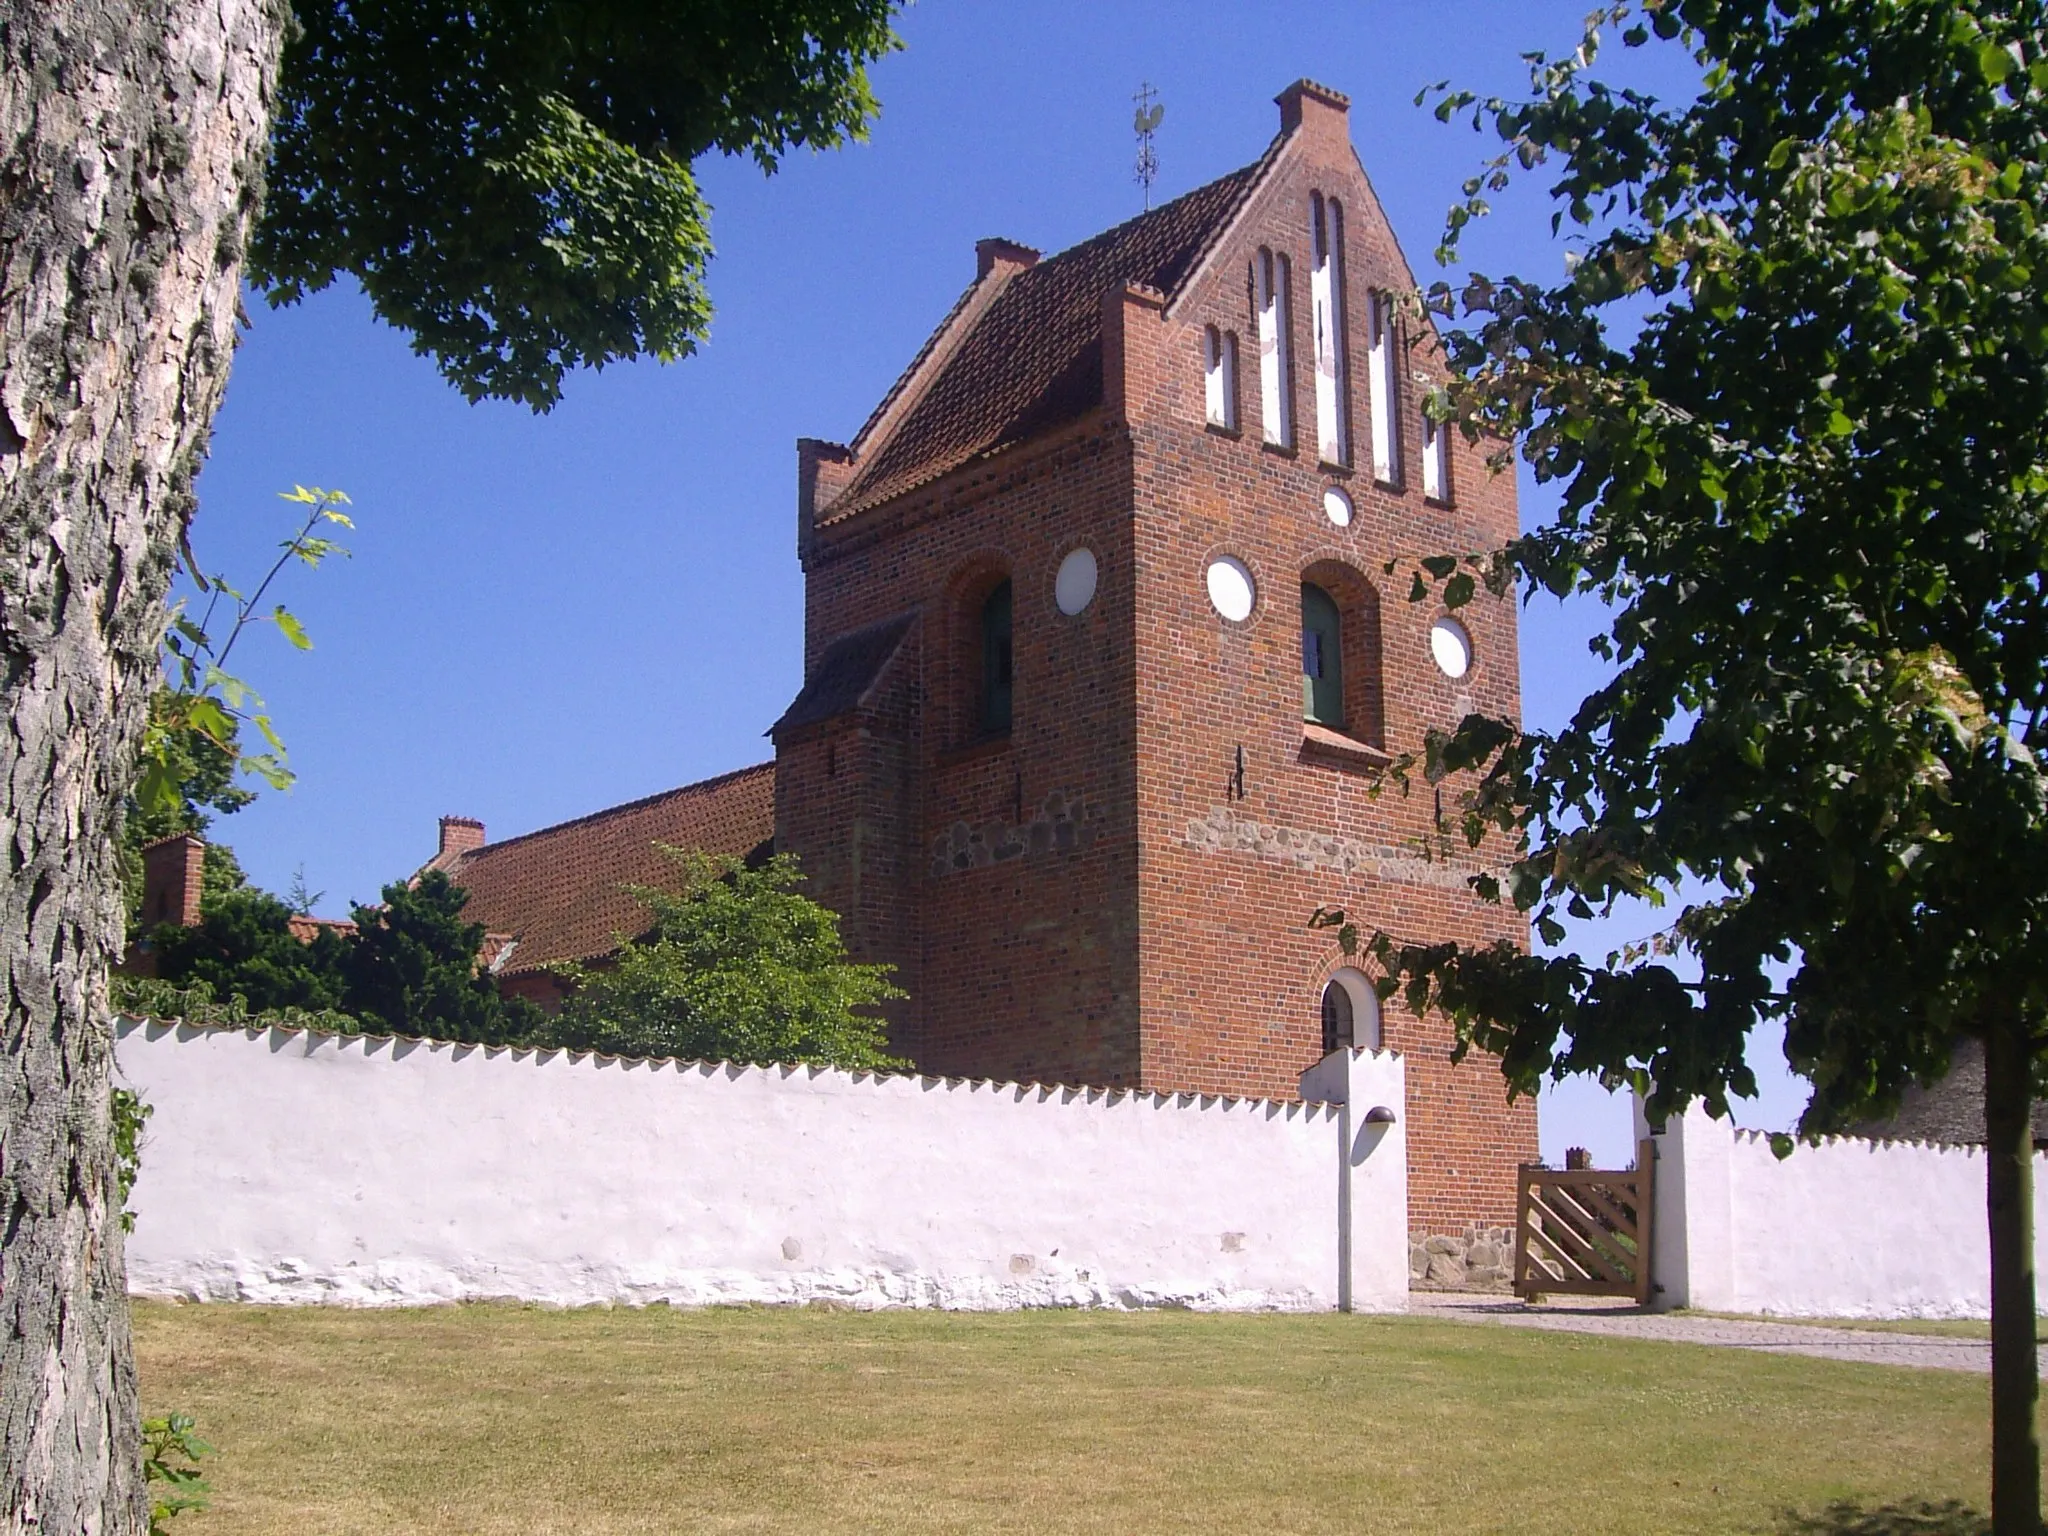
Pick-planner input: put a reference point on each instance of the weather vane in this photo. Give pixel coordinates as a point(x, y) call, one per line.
point(1146, 123)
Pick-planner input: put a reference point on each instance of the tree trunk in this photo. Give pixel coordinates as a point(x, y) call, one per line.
point(2009, 1187)
point(132, 141)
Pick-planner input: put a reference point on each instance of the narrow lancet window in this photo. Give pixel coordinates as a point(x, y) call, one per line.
point(996, 686)
point(1276, 408)
point(1436, 457)
point(1386, 386)
point(1326, 295)
point(1219, 359)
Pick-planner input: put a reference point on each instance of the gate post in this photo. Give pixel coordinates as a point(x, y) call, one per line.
point(1370, 1139)
point(1693, 1231)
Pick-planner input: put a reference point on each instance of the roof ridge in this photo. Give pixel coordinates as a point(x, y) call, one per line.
point(1220, 233)
point(936, 419)
point(1158, 213)
point(911, 369)
point(713, 782)
point(931, 341)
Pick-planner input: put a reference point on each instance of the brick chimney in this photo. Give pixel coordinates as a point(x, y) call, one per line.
point(998, 252)
point(173, 874)
point(823, 470)
point(459, 834)
point(1323, 112)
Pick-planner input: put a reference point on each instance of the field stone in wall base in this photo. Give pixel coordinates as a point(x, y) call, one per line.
point(1479, 1259)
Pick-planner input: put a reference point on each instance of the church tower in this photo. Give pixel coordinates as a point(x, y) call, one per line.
point(1102, 669)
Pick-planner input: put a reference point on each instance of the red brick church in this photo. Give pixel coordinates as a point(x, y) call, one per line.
point(1102, 669)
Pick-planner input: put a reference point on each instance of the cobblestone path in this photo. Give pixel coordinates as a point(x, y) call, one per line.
point(1927, 1351)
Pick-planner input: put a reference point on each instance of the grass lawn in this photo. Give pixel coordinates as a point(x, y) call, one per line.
point(509, 1419)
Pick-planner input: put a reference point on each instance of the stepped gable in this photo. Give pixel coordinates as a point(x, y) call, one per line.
point(557, 892)
point(1033, 358)
point(845, 673)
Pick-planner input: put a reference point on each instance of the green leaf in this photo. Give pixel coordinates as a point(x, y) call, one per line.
point(269, 769)
point(291, 629)
point(204, 714)
point(158, 790)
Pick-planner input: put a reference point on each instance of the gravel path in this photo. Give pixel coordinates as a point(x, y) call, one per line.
point(1923, 1350)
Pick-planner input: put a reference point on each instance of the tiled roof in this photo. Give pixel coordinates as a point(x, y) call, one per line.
point(1952, 1111)
point(844, 673)
point(1034, 358)
point(305, 927)
point(555, 894)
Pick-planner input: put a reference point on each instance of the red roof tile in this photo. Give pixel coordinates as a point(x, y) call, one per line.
point(1033, 358)
point(844, 673)
point(305, 927)
point(556, 892)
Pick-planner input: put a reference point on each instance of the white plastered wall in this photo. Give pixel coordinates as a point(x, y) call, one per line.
point(285, 1166)
point(1847, 1228)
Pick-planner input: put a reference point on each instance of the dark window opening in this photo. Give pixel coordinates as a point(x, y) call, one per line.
point(1337, 1018)
point(995, 662)
point(1322, 658)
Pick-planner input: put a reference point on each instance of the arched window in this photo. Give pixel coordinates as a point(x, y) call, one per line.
point(995, 662)
point(1341, 684)
point(1351, 1012)
point(1338, 1021)
point(1326, 300)
point(1322, 658)
point(1276, 404)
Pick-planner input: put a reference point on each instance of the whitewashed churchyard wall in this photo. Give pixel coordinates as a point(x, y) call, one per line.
point(1848, 1228)
point(286, 1166)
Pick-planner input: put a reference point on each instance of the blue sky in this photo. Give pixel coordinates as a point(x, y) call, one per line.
point(547, 615)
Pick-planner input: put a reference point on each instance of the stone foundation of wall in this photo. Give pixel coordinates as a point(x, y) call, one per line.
point(1478, 1259)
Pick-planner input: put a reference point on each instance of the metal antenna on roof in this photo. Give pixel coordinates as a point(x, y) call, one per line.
point(1146, 122)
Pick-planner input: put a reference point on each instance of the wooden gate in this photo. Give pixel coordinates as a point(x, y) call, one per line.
point(1585, 1231)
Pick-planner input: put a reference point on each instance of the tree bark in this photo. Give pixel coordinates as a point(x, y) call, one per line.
point(2009, 1189)
point(132, 142)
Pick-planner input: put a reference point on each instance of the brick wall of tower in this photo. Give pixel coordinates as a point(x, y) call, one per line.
point(1092, 901)
point(1230, 977)
point(1022, 851)
point(846, 800)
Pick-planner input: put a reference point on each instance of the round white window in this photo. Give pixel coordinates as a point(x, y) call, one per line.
point(1230, 589)
point(1451, 646)
point(1074, 587)
point(1337, 506)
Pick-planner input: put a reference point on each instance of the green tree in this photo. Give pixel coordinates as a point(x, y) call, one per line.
point(192, 751)
point(243, 946)
point(511, 184)
point(736, 967)
point(1794, 390)
point(412, 969)
point(201, 773)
